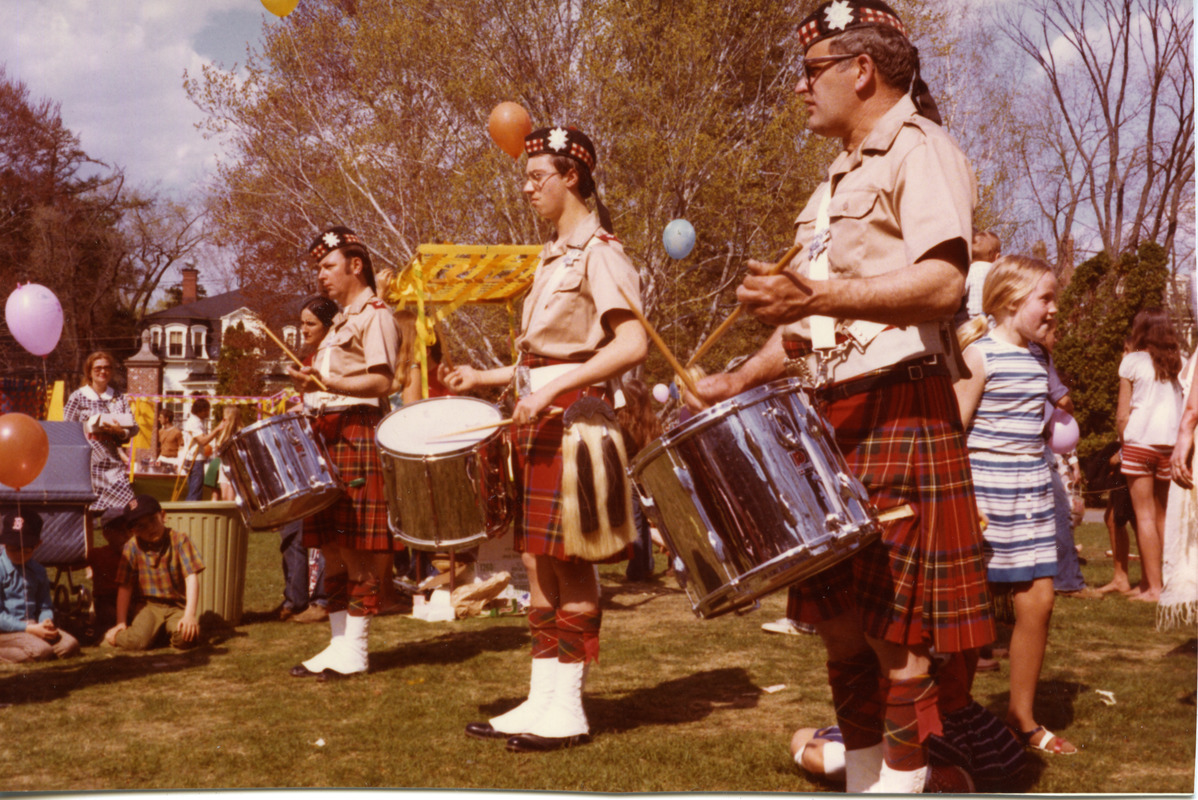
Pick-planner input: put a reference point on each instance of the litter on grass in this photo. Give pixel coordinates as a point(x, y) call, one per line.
point(1105, 696)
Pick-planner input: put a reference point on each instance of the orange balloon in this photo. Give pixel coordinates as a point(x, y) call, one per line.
point(280, 8)
point(25, 447)
point(508, 125)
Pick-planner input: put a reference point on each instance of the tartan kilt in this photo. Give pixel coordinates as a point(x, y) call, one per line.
point(537, 467)
point(924, 580)
point(357, 521)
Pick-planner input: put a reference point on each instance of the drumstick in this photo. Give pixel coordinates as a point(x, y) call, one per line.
point(501, 424)
point(897, 512)
point(679, 370)
point(292, 356)
point(735, 315)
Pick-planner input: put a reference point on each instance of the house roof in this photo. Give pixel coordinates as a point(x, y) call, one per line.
point(211, 309)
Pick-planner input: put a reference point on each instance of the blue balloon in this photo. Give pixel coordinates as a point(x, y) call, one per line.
point(679, 238)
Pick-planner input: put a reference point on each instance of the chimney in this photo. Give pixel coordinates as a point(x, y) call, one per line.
point(190, 278)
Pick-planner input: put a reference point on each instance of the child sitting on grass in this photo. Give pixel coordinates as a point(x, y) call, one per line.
point(27, 629)
point(164, 565)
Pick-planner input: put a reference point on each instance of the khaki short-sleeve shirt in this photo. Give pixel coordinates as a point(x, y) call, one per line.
point(577, 283)
point(363, 339)
point(905, 190)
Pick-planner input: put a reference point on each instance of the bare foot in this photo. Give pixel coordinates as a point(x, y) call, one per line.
point(1115, 586)
point(1146, 597)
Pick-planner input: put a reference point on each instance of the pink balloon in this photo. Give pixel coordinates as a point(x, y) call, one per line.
point(34, 318)
point(1063, 432)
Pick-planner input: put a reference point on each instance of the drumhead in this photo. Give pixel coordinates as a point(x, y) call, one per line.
point(421, 428)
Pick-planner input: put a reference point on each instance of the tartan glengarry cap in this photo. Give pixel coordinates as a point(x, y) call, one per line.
point(21, 530)
point(559, 141)
point(836, 17)
point(141, 506)
point(332, 238)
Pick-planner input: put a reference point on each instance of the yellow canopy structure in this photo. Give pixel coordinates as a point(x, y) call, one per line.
point(449, 276)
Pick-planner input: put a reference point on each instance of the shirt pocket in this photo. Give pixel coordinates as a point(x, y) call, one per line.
point(852, 215)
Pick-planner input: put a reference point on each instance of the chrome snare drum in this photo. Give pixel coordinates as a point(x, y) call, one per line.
point(752, 495)
point(445, 492)
point(280, 471)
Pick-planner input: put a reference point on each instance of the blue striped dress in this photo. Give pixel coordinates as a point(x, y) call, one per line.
point(1006, 454)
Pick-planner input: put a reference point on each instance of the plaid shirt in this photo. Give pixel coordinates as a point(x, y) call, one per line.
point(160, 574)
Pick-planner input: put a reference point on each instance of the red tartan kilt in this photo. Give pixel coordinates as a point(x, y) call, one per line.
point(537, 457)
point(357, 521)
point(924, 581)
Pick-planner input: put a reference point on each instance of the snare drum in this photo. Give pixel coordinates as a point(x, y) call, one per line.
point(280, 472)
point(445, 492)
point(752, 495)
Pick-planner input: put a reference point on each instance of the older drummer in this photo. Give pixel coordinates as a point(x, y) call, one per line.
point(356, 362)
point(861, 313)
point(578, 332)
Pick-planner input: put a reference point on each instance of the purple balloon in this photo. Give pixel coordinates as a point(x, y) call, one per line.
point(34, 317)
point(1063, 432)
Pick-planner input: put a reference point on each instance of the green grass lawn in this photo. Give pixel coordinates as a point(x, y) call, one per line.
point(676, 704)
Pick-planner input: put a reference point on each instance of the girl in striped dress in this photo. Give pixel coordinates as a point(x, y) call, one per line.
point(1002, 407)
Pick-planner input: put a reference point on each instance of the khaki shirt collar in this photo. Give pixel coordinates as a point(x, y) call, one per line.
point(880, 137)
point(359, 303)
point(577, 239)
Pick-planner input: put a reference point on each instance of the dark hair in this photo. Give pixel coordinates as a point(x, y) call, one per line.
point(1151, 331)
point(167, 414)
point(586, 185)
point(199, 404)
point(637, 420)
point(896, 58)
point(323, 309)
point(356, 250)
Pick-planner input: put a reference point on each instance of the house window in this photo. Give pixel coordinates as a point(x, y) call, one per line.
point(156, 340)
point(289, 336)
point(197, 344)
point(175, 344)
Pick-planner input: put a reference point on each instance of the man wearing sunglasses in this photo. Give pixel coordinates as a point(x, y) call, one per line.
point(862, 317)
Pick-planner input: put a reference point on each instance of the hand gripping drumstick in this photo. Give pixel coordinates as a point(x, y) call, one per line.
point(291, 355)
point(502, 423)
point(679, 370)
point(735, 315)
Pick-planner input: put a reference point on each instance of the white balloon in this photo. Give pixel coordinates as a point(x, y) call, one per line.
point(34, 318)
point(661, 393)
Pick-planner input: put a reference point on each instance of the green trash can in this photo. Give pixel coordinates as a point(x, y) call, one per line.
point(216, 530)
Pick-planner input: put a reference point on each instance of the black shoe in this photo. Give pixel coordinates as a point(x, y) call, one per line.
point(300, 671)
point(531, 743)
point(331, 675)
point(483, 730)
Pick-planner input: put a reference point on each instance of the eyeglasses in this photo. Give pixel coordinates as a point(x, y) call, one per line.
point(538, 179)
point(101, 368)
point(823, 62)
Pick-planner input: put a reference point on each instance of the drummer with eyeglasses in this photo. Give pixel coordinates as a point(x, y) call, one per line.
point(861, 318)
point(578, 331)
point(356, 362)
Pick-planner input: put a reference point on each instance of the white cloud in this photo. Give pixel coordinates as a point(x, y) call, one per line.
point(117, 70)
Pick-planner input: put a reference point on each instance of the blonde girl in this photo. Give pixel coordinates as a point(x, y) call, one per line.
point(1002, 409)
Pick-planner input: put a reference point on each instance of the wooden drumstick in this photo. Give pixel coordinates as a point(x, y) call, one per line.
point(293, 357)
point(735, 315)
point(897, 512)
point(679, 370)
point(553, 412)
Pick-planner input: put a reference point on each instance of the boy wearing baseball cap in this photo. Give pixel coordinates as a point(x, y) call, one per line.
point(164, 565)
point(27, 629)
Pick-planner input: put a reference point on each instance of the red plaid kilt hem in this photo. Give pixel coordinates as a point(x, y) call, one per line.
point(924, 581)
point(537, 462)
point(357, 521)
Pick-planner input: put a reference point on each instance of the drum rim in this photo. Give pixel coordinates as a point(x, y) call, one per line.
point(263, 423)
point(442, 453)
point(709, 416)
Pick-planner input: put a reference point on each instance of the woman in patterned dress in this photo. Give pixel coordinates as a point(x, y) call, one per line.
point(109, 471)
point(1002, 408)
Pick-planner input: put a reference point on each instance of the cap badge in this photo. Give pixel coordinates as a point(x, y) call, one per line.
point(839, 15)
point(558, 138)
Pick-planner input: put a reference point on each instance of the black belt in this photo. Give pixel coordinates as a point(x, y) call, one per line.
point(914, 370)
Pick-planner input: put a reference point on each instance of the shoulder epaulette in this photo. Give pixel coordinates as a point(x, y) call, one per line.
point(608, 237)
point(374, 302)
